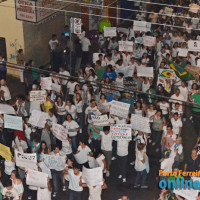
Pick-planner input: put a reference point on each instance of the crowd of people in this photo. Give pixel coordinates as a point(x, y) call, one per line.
point(88, 92)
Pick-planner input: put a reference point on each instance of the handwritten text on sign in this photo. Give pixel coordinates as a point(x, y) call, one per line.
point(36, 178)
point(140, 123)
point(126, 46)
point(26, 160)
point(59, 131)
point(38, 95)
point(121, 132)
point(119, 109)
point(101, 120)
point(13, 122)
point(54, 162)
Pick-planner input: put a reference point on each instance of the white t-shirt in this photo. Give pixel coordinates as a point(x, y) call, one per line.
point(23, 143)
point(61, 109)
point(43, 194)
point(66, 147)
point(53, 44)
point(85, 44)
point(164, 107)
point(166, 164)
point(122, 147)
point(176, 125)
point(67, 74)
point(91, 111)
point(10, 194)
point(74, 181)
point(7, 95)
point(184, 92)
point(174, 99)
point(71, 110)
point(85, 151)
point(71, 87)
point(71, 127)
point(79, 106)
point(35, 105)
point(106, 141)
point(139, 166)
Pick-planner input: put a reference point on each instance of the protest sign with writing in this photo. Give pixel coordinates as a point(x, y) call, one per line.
point(126, 46)
point(45, 83)
point(59, 131)
point(190, 194)
point(141, 26)
point(129, 83)
point(38, 118)
point(119, 109)
point(55, 162)
point(105, 107)
point(149, 41)
point(140, 123)
point(110, 31)
point(100, 120)
point(121, 131)
point(56, 87)
point(6, 109)
point(145, 71)
point(13, 122)
point(96, 57)
point(123, 30)
point(38, 95)
point(36, 178)
point(80, 157)
point(123, 70)
point(45, 169)
point(92, 177)
point(182, 52)
point(26, 160)
point(5, 152)
point(194, 45)
point(167, 73)
point(194, 8)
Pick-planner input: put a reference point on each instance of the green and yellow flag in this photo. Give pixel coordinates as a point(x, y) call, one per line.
point(180, 72)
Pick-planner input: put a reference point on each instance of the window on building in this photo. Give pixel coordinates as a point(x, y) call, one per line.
point(3, 51)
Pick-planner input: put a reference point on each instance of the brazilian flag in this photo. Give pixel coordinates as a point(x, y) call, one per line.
point(166, 73)
point(180, 72)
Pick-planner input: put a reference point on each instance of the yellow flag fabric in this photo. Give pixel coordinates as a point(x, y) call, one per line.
point(5, 152)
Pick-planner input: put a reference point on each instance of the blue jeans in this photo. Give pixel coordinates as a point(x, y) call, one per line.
point(141, 175)
point(74, 143)
point(61, 119)
point(57, 178)
point(74, 195)
point(80, 120)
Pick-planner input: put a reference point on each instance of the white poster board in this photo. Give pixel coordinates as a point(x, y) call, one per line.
point(121, 131)
point(123, 30)
point(145, 71)
point(100, 120)
point(56, 87)
point(92, 177)
point(119, 109)
point(59, 131)
point(45, 83)
point(55, 162)
point(189, 194)
point(126, 46)
point(182, 52)
point(149, 41)
point(92, 162)
point(194, 8)
point(38, 118)
point(96, 57)
point(194, 45)
point(110, 31)
point(80, 157)
point(140, 123)
point(13, 122)
point(26, 160)
point(105, 107)
point(6, 109)
point(36, 178)
point(38, 95)
point(141, 26)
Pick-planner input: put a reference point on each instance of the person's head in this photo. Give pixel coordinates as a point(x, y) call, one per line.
point(120, 75)
point(59, 99)
point(194, 86)
point(179, 140)
point(61, 69)
point(140, 146)
point(183, 84)
point(69, 117)
point(177, 92)
point(151, 106)
point(169, 128)
point(98, 63)
point(103, 97)
point(83, 142)
point(194, 153)
point(140, 133)
point(48, 98)
point(175, 116)
point(106, 129)
point(43, 145)
point(92, 103)
point(127, 96)
point(3, 82)
point(125, 198)
point(68, 103)
point(177, 106)
point(159, 113)
point(76, 168)
point(66, 28)
point(14, 175)
point(56, 149)
point(31, 63)
point(53, 37)
point(91, 72)
point(34, 87)
point(100, 57)
point(78, 97)
point(51, 112)
point(109, 68)
point(20, 51)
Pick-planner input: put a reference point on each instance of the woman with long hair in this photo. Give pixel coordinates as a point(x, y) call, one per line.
point(60, 110)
